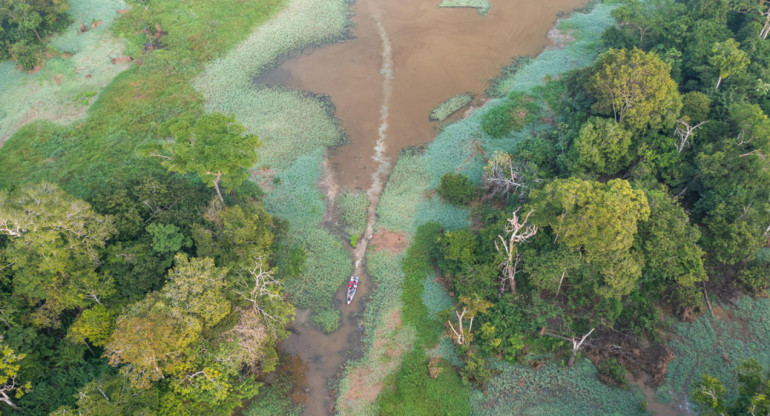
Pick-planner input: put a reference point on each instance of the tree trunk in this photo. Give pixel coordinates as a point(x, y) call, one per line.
point(576, 347)
point(216, 186)
point(719, 81)
point(7, 400)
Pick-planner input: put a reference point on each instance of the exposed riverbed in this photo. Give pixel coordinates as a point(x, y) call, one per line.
point(408, 56)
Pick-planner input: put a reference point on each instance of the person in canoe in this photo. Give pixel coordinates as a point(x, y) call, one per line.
point(352, 286)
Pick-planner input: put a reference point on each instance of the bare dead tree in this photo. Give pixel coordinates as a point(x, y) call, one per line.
point(576, 345)
point(258, 285)
point(558, 289)
point(471, 308)
point(503, 175)
point(459, 336)
point(684, 131)
point(252, 336)
point(515, 232)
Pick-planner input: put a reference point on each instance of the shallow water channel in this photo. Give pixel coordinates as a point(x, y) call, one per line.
point(408, 56)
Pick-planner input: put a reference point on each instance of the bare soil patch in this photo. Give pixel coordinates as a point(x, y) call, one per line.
point(395, 242)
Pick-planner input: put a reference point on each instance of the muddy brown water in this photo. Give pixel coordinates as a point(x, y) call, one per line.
point(437, 53)
point(408, 56)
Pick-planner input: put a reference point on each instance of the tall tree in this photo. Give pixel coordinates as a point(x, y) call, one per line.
point(214, 147)
point(54, 250)
point(602, 146)
point(634, 87)
point(598, 219)
point(728, 59)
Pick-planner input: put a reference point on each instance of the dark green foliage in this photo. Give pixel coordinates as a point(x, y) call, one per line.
point(755, 278)
point(412, 391)
point(613, 372)
point(518, 111)
point(24, 24)
point(456, 189)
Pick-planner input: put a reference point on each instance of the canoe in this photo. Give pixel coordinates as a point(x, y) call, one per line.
point(352, 286)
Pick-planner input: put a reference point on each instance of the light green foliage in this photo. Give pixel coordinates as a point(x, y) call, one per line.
point(54, 250)
point(450, 106)
point(752, 126)
point(599, 219)
point(602, 146)
point(237, 237)
point(48, 94)
point(696, 106)
point(709, 394)
point(111, 395)
point(10, 387)
point(550, 390)
point(354, 207)
point(149, 341)
point(728, 59)
point(481, 5)
point(635, 87)
point(196, 288)
point(94, 324)
point(215, 148)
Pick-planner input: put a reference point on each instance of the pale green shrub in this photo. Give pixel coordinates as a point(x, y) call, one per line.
point(482, 5)
point(448, 107)
point(353, 209)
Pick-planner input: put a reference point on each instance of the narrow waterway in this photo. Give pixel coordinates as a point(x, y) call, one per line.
point(408, 57)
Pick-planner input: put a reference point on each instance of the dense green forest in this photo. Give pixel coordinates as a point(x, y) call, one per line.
point(140, 272)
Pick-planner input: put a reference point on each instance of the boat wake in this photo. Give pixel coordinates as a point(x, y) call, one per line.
point(383, 163)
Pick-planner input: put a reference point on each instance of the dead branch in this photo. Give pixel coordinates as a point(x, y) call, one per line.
point(515, 232)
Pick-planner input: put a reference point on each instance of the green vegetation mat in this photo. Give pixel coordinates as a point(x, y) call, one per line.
point(553, 390)
point(450, 106)
point(353, 208)
point(741, 333)
point(481, 5)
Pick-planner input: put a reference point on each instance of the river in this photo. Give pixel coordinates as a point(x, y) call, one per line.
point(408, 56)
